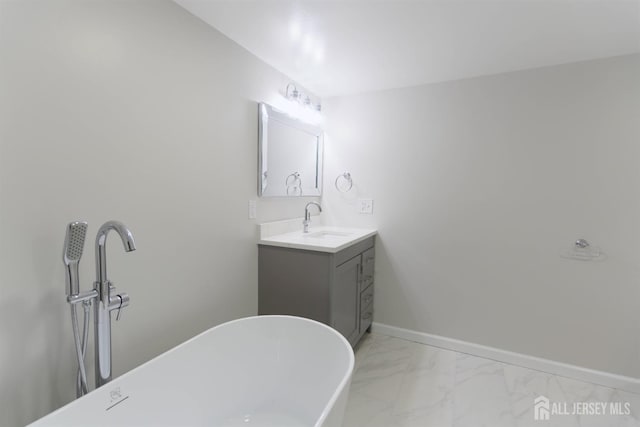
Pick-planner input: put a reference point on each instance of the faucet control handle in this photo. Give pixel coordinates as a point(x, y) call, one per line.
point(124, 302)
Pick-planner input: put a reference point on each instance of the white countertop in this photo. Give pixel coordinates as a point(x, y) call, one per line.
point(320, 238)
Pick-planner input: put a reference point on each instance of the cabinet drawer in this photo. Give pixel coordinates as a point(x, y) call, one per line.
point(366, 317)
point(366, 283)
point(355, 250)
point(368, 263)
point(366, 298)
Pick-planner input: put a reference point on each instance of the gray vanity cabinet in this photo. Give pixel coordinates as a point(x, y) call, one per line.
point(332, 288)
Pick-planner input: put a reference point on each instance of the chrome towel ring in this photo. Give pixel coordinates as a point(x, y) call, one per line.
point(345, 184)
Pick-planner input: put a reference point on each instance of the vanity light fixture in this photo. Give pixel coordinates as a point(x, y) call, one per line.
point(292, 93)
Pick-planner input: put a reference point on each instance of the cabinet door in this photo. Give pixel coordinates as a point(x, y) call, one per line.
point(344, 299)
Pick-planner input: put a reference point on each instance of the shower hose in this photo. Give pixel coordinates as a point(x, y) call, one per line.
point(81, 346)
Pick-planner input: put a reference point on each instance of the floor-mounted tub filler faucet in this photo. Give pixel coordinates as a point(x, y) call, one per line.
point(108, 300)
point(307, 215)
point(103, 295)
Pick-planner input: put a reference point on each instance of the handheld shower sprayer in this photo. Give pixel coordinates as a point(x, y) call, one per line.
point(71, 254)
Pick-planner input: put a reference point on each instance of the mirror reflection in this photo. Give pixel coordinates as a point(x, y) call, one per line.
point(290, 155)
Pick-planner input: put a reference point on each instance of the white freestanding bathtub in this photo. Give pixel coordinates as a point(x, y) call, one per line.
point(276, 371)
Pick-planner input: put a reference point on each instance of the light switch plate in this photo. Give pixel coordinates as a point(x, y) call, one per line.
point(252, 209)
point(365, 206)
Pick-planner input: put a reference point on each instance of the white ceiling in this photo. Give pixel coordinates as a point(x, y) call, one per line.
point(334, 47)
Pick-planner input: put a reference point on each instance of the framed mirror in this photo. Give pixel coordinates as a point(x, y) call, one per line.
point(289, 155)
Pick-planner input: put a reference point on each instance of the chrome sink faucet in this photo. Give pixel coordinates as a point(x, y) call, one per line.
point(307, 215)
point(107, 299)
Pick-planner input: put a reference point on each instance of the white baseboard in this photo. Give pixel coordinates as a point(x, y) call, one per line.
point(537, 363)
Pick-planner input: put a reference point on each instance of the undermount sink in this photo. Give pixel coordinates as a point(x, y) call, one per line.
point(321, 238)
point(327, 234)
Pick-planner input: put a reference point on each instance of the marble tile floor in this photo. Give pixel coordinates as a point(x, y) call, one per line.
point(399, 383)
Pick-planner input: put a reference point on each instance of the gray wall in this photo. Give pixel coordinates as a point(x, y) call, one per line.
point(129, 110)
point(479, 185)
